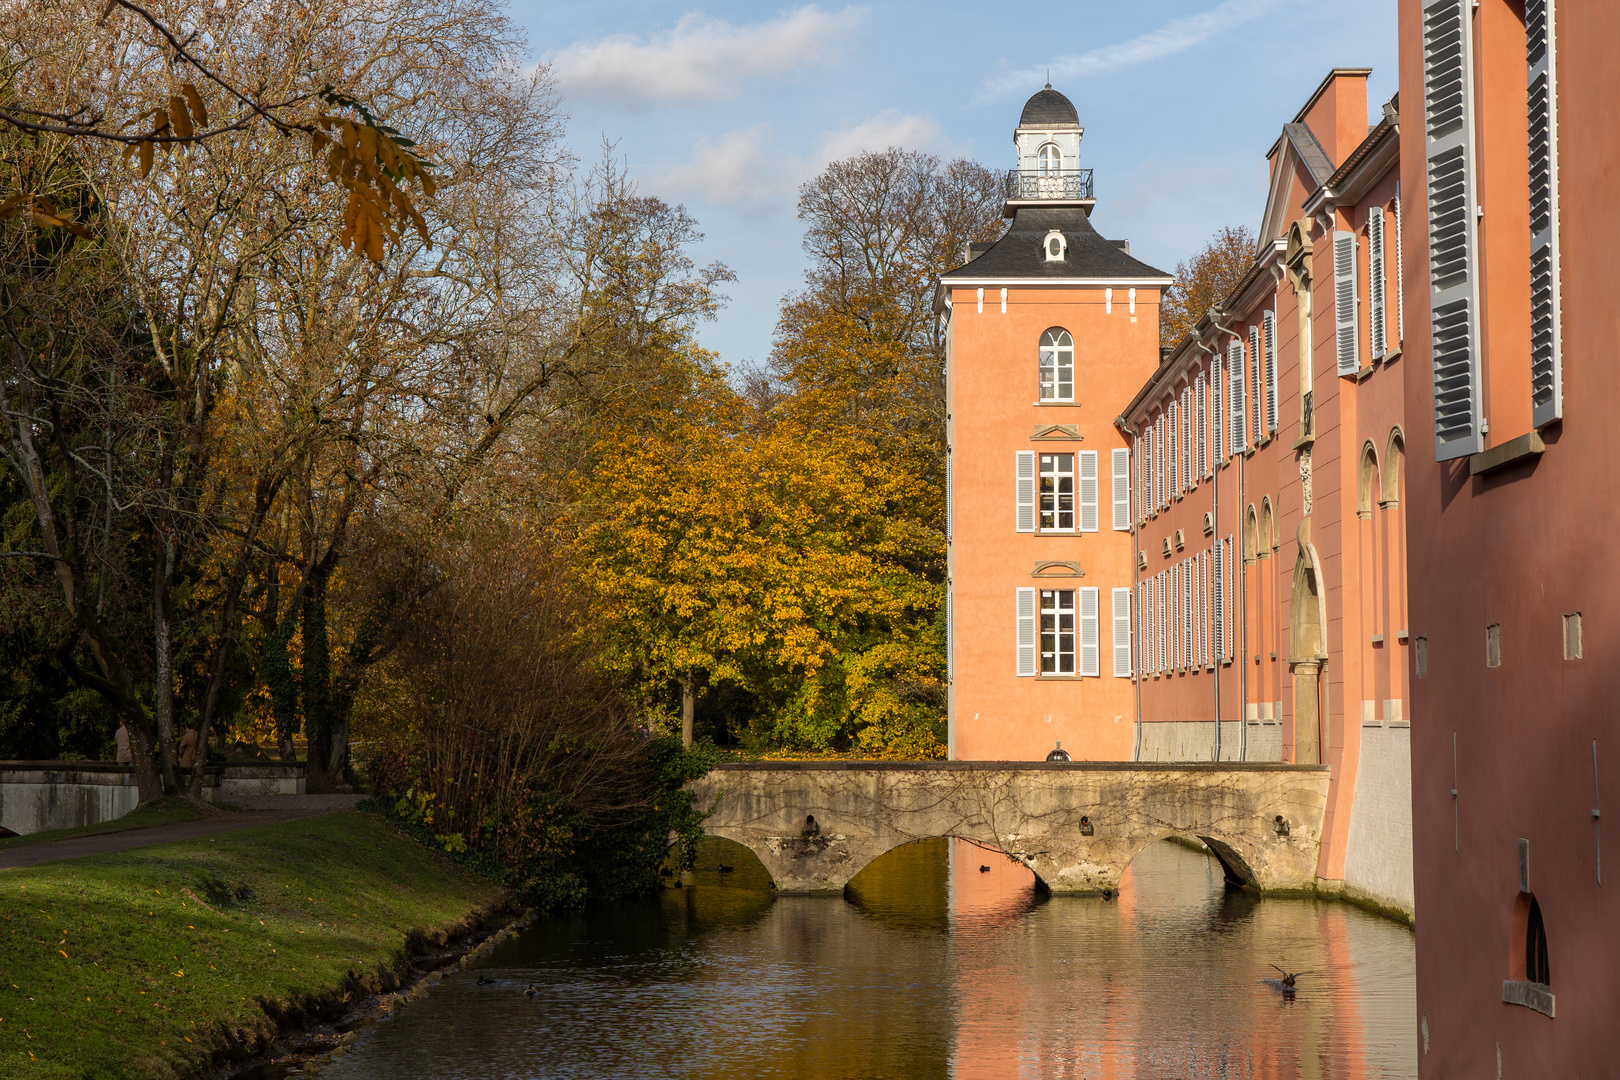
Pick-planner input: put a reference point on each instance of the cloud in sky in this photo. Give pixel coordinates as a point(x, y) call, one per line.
point(1175, 36)
point(701, 59)
point(745, 167)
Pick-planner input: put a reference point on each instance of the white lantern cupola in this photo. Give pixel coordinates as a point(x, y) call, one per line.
point(1048, 141)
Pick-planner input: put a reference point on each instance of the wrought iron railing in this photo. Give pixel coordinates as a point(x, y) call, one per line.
point(1067, 184)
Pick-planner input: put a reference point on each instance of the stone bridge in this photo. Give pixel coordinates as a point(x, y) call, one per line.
point(1077, 825)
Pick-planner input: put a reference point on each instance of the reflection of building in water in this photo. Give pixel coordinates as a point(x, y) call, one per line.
point(1194, 553)
point(1168, 980)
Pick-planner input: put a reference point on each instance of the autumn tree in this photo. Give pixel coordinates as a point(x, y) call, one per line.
point(1205, 281)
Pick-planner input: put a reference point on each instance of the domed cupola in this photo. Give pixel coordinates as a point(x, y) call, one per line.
point(1048, 140)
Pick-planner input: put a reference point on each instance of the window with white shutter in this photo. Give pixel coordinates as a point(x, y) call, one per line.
point(1546, 375)
point(1161, 659)
point(1088, 491)
point(1144, 455)
point(1055, 491)
point(1161, 494)
point(950, 665)
point(1026, 490)
point(1058, 631)
point(1173, 421)
point(1090, 633)
point(1269, 321)
point(1201, 425)
point(1187, 623)
point(947, 496)
point(1122, 489)
point(1122, 633)
point(1218, 620)
point(1201, 581)
point(1448, 125)
point(1400, 271)
point(1189, 478)
point(1255, 396)
point(1217, 408)
point(1144, 613)
point(1231, 591)
point(1172, 611)
point(1377, 320)
point(1344, 301)
point(1239, 406)
point(1026, 631)
point(1139, 664)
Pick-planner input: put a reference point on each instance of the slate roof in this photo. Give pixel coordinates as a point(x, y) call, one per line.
point(1317, 163)
point(1019, 252)
point(1048, 108)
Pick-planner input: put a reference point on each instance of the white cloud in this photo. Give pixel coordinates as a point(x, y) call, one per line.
point(744, 166)
point(1175, 36)
point(701, 59)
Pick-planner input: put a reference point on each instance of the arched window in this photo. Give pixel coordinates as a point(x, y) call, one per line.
point(1536, 969)
point(1057, 365)
point(1049, 159)
point(1367, 482)
point(1268, 529)
point(1393, 453)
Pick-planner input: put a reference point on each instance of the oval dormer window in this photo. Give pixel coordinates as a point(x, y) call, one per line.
point(1056, 246)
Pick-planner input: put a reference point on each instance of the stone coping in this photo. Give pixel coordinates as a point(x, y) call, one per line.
point(244, 770)
point(1019, 766)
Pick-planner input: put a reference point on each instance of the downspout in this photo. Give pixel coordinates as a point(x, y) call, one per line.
point(1240, 632)
point(1136, 585)
point(1215, 538)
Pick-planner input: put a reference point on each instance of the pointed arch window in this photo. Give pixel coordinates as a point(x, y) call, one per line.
point(1057, 365)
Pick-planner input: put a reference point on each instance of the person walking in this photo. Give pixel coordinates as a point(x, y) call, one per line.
point(188, 748)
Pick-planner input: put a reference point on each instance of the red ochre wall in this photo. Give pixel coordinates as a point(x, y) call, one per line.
point(992, 390)
point(1521, 548)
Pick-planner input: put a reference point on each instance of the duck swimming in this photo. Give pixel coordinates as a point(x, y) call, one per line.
point(722, 869)
point(531, 991)
point(485, 982)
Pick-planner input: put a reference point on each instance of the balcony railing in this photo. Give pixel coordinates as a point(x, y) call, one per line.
point(1068, 184)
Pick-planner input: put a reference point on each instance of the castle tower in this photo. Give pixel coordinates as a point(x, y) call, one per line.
point(1051, 331)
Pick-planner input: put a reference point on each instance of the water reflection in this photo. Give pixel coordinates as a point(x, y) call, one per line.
point(944, 961)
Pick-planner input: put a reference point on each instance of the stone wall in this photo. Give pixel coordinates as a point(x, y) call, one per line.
point(1194, 740)
point(1378, 856)
point(39, 796)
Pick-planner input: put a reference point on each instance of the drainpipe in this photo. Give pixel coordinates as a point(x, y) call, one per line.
point(1136, 584)
point(1240, 632)
point(1215, 538)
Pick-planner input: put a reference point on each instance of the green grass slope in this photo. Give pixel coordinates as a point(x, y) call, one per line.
point(164, 961)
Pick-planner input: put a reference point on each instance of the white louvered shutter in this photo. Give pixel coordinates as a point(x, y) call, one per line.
point(1088, 490)
point(1026, 490)
point(1122, 633)
point(1189, 478)
point(1203, 608)
point(1218, 621)
point(1255, 396)
point(1217, 410)
point(948, 492)
point(1201, 426)
point(1239, 410)
point(1090, 633)
point(1136, 641)
point(1187, 623)
point(1448, 125)
point(1546, 368)
point(950, 665)
point(1144, 452)
point(1269, 323)
point(1144, 619)
point(1231, 603)
point(1172, 606)
point(1026, 631)
point(1161, 659)
point(1161, 495)
point(1344, 301)
point(1400, 272)
point(1122, 489)
point(1377, 320)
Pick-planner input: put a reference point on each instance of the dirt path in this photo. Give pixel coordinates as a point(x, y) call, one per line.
point(258, 810)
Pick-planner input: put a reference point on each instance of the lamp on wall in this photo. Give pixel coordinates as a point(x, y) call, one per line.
point(1281, 826)
point(1086, 827)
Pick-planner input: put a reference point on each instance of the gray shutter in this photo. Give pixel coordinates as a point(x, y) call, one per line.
point(1255, 395)
point(1088, 490)
point(1234, 378)
point(1122, 633)
point(1344, 301)
point(1090, 633)
point(1269, 319)
point(1448, 125)
point(1377, 330)
point(1026, 631)
point(1546, 374)
point(1219, 607)
point(1122, 489)
point(1026, 490)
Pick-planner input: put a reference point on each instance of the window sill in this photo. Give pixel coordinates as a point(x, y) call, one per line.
point(1057, 404)
point(1531, 995)
point(1512, 452)
point(1364, 373)
point(1303, 441)
point(1060, 678)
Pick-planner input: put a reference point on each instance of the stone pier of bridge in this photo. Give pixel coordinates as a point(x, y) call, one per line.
point(1077, 825)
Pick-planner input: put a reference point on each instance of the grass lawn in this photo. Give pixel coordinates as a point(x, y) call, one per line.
point(161, 812)
point(159, 961)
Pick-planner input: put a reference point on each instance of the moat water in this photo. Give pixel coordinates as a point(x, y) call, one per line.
point(930, 967)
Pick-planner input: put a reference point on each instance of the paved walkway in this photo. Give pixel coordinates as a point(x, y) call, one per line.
point(257, 810)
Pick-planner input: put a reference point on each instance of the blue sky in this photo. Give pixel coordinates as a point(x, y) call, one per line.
point(728, 107)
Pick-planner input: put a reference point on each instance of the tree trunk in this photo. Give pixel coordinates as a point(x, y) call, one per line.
point(688, 706)
point(148, 778)
point(163, 662)
point(317, 672)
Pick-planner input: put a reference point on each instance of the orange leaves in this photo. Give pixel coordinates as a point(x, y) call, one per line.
point(38, 209)
point(178, 119)
point(374, 163)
